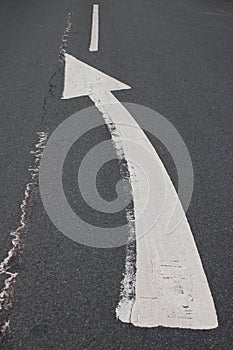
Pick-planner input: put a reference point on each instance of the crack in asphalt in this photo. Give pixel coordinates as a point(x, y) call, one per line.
point(59, 65)
point(9, 267)
point(50, 94)
point(65, 38)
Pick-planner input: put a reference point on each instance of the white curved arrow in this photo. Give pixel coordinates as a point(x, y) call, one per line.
point(171, 287)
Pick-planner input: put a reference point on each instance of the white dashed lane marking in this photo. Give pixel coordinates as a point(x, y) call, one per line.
point(94, 44)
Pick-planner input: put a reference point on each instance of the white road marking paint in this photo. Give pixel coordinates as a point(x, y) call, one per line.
point(94, 44)
point(19, 234)
point(171, 286)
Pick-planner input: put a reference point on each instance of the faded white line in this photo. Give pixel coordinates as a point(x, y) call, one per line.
point(94, 44)
point(18, 235)
point(171, 286)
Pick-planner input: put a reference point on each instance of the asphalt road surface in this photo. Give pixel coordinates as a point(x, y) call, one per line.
point(178, 58)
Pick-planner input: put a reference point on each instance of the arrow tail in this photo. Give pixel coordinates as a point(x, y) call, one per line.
point(171, 287)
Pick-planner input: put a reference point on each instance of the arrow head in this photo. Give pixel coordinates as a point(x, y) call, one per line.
point(82, 79)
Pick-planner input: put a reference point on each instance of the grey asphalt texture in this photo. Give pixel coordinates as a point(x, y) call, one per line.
point(178, 58)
